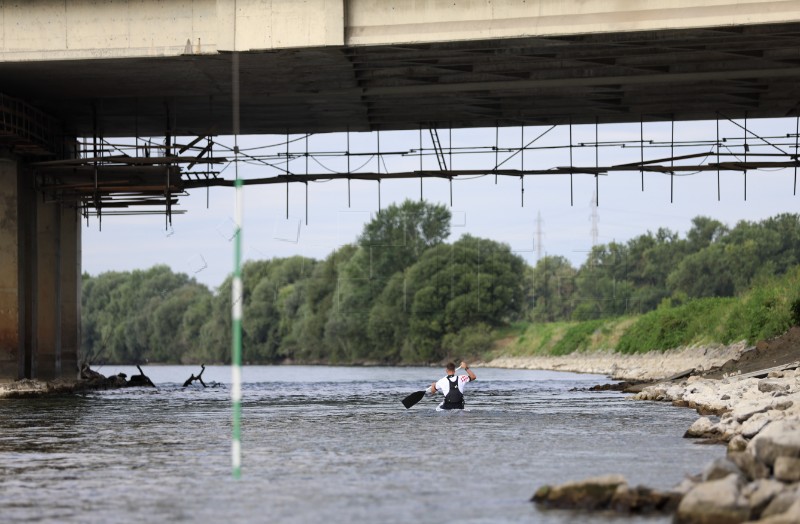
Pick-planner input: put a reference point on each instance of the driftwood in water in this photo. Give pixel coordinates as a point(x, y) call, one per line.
point(141, 379)
point(192, 378)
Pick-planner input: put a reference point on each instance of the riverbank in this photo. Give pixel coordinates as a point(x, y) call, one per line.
point(749, 397)
point(712, 360)
point(654, 365)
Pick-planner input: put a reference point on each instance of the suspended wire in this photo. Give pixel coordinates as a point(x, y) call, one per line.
point(256, 148)
point(355, 171)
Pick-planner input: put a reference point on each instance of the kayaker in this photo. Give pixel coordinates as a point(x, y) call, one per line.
point(453, 385)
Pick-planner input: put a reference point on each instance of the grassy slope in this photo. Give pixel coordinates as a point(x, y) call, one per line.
point(766, 311)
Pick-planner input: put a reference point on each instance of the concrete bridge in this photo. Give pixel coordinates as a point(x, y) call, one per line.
point(101, 69)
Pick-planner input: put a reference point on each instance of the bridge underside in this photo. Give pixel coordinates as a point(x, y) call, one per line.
point(683, 74)
point(46, 181)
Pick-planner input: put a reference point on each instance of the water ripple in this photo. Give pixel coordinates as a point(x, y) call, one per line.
point(330, 445)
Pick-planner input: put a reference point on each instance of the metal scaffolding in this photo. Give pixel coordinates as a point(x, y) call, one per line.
point(148, 175)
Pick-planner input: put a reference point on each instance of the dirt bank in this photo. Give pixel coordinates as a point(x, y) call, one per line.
point(711, 360)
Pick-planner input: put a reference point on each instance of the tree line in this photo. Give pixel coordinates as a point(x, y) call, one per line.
point(400, 293)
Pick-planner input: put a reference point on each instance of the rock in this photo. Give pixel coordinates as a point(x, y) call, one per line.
point(591, 494)
point(117, 381)
point(787, 469)
point(746, 409)
point(714, 502)
point(737, 443)
point(752, 467)
point(643, 500)
point(767, 385)
point(701, 428)
point(721, 468)
point(687, 484)
point(88, 373)
point(780, 506)
point(780, 438)
point(760, 493)
point(791, 516)
point(754, 424)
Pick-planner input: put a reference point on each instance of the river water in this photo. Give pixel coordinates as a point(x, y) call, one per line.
point(331, 444)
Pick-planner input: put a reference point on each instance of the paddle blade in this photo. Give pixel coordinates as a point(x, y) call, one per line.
point(413, 398)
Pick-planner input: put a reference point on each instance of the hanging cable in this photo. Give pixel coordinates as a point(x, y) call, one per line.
point(571, 196)
point(306, 181)
point(596, 161)
point(517, 151)
point(750, 132)
point(496, 148)
point(450, 144)
point(718, 146)
point(420, 162)
point(522, 165)
point(746, 149)
point(641, 148)
point(288, 173)
point(796, 135)
point(672, 159)
point(451, 191)
point(379, 170)
point(348, 166)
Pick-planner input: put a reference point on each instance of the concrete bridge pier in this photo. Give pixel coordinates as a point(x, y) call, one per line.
point(40, 277)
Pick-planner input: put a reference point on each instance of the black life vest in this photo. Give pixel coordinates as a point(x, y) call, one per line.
point(454, 395)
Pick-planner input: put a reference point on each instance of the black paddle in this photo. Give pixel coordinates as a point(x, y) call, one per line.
point(413, 398)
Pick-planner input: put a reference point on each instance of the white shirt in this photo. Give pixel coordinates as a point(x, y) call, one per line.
point(443, 384)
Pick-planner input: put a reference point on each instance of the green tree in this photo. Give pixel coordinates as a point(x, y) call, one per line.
point(398, 235)
point(603, 284)
point(135, 317)
point(319, 300)
point(387, 325)
point(553, 289)
point(268, 285)
point(470, 282)
point(389, 244)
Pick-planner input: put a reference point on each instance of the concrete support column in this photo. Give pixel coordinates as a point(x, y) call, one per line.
point(58, 277)
point(11, 305)
point(47, 313)
point(70, 302)
point(40, 281)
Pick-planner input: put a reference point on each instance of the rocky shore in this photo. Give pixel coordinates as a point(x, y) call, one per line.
point(89, 381)
point(654, 365)
point(748, 399)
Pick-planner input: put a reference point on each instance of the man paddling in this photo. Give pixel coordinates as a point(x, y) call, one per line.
point(453, 385)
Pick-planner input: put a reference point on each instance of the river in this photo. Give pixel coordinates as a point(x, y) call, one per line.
point(331, 444)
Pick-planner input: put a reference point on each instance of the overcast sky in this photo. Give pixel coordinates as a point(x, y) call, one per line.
point(199, 242)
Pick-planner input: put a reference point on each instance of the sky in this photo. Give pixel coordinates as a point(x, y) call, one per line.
point(199, 242)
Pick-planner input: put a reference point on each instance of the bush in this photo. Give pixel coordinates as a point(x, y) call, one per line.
point(471, 340)
point(766, 311)
point(670, 327)
point(577, 337)
point(795, 310)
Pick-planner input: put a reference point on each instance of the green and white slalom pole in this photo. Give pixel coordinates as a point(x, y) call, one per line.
point(236, 289)
point(236, 316)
